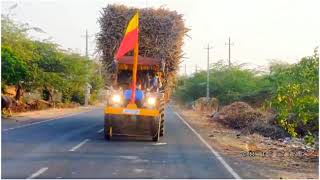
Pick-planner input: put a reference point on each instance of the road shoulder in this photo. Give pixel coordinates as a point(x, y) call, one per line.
point(24, 118)
point(225, 142)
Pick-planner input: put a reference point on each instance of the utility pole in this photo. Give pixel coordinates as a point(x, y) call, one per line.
point(87, 43)
point(196, 68)
point(208, 69)
point(185, 70)
point(229, 44)
point(87, 90)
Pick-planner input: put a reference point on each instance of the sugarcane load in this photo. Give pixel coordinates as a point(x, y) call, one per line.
point(141, 50)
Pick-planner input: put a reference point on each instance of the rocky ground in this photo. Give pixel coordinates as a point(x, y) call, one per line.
point(281, 158)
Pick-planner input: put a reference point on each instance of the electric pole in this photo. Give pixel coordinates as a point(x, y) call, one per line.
point(208, 69)
point(185, 70)
point(229, 44)
point(87, 43)
point(87, 90)
point(196, 68)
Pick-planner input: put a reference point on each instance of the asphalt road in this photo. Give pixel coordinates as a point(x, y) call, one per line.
point(74, 147)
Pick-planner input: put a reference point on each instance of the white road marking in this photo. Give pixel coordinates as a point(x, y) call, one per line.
point(138, 170)
point(100, 131)
point(129, 157)
point(161, 143)
point(39, 172)
point(79, 145)
point(140, 161)
point(219, 157)
point(39, 122)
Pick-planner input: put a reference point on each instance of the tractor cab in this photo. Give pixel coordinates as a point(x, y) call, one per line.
point(149, 77)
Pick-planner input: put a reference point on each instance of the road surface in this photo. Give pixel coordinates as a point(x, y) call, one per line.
point(74, 147)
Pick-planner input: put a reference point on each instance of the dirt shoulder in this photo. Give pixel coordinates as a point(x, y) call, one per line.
point(267, 158)
point(34, 116)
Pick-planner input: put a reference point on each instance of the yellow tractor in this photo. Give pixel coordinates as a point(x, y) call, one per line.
point(143, 116)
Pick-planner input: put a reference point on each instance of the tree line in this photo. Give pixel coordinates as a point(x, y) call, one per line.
point(291, 91)
point(33, 65)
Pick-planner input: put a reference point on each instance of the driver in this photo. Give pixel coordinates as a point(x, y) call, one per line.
point(139, 95)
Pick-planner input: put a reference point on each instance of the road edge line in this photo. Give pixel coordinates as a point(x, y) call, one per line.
point(79, 145)
point(214, 152)
point(39, 172)
point(39, 122)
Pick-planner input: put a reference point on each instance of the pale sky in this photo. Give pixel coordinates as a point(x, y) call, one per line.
point(261, 30)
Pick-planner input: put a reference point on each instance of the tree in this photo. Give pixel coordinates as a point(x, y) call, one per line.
point(50, 68)
point(14, 71)
point(15, 43)
point(297, 97)
point(41, 65)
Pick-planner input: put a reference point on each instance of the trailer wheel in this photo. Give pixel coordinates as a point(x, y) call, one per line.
point(107, 130)
point(161, 118)
point(162, 125)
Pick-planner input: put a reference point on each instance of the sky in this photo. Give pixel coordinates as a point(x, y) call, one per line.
point(260, 30)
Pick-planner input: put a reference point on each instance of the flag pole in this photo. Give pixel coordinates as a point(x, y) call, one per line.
point(134, 70)
point(134, 73)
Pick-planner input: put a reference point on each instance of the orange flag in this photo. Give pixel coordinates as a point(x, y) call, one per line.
point(130, 37)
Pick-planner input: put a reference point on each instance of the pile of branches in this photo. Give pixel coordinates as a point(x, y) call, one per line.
point(161, 36)
point(238, 115)
point(241, 116)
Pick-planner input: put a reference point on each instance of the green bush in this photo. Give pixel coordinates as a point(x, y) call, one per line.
point(292, 90)
point(297, 97)
point(226, 84)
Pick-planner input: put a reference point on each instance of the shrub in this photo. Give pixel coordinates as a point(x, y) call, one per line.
point(297, 98)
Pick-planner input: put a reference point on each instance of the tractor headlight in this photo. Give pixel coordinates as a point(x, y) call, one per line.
point(116, 99)
point(151, 101)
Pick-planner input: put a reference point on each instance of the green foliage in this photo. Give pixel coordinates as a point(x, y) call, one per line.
point(41, 65)
point(297, 97)
point(13, 68)
point(226, 84)
point(14, 36)
point(292, 90)
point(14, 40)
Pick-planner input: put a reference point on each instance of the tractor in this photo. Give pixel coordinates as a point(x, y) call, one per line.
point(143, 116)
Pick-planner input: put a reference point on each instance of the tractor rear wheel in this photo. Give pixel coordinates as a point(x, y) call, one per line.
point(156, 129)
point(107, 130)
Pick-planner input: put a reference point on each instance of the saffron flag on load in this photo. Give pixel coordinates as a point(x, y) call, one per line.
point(130, 38)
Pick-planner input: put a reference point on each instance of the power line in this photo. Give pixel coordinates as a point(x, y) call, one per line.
point(229, 44)
point(208, 58)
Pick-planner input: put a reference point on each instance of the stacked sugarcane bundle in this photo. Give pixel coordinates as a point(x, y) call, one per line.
point(161, 35)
